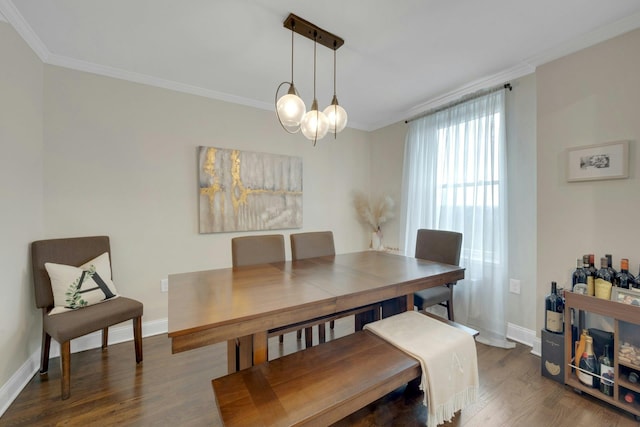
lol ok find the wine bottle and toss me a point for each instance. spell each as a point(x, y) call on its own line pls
point(588, 364)
point(624, 279)
point(591, 275)
point(612, 271)
point(580, 346)
point(554, 311)
point(603, 281)
point(606, 372)
point(579, 275)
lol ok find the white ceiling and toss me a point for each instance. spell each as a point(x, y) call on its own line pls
point(399, 59)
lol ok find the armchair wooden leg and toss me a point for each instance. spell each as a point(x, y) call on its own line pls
point(65, 369)
point(105, 338)
point(137, 337)
point(44, 357)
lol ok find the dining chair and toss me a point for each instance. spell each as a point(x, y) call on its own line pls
point(310, 245)
point(440, 246)
point(65, 318)
point(252, 250)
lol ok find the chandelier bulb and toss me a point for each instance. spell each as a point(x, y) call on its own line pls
point(314, 124)
point(336, 116)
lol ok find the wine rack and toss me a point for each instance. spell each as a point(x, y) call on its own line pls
point(626, 392)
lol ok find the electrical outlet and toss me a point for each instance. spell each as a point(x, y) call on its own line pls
point(164, 285)
point(514, 286)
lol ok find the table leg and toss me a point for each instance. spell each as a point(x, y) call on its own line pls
point(232, 356)
point(410, 302)
point(260, 348)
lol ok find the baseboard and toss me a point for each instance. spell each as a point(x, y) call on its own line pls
point(524, 336)
point(117, 334)
point(12, 388)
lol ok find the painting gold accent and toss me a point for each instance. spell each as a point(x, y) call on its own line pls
point(263, 191)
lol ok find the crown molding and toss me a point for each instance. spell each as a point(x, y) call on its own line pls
point(500, 78)
point(527, 66)
point(599, 35)
point(16, 20)
point(9, 13)
point(117, 73)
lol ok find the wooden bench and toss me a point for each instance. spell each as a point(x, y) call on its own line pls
point(317, 386)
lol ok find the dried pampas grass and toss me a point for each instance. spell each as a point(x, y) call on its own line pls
point(376, 214)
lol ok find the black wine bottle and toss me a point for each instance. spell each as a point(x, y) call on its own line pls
point(606, 372)
point(579, 275)
point(612, 270)
point(554, 311)
point(624, 279)
point(603, 281)
point(591, 275)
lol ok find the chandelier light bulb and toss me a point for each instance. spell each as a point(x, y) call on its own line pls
point(314, 124)
point(336, 116)
point(291, 110)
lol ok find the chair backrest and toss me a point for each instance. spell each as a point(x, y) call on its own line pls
point(313, 244)
point(250, 250)
point(439, 245)
point(73, 251)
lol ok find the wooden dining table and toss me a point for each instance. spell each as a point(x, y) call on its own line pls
point(208, 307)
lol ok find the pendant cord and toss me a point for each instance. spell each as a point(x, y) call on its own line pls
point(334, 72)
point(315, 44)
point(292, 28)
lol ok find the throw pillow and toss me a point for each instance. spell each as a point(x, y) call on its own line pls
point(77, 287)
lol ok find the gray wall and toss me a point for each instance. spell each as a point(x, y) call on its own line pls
point(21, 195)
point(587, 98)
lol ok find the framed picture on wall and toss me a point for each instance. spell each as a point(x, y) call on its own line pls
point(609, 160)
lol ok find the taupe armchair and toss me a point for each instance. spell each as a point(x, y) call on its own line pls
point(440, 246)
point(63, 327)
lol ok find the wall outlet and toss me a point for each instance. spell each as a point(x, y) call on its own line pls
point(164, 285)
point(514, 286)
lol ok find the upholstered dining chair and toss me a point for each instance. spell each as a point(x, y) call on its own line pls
point(310, 245)
point(440, 246)
point(252, 250)
point(68, 324)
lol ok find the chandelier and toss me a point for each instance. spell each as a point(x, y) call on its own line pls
point(290, 108)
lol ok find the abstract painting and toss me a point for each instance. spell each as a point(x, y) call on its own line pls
point(248, 191)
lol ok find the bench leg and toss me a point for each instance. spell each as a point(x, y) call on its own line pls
point(321, 334)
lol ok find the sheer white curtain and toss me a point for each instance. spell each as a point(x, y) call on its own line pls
point(455, 179)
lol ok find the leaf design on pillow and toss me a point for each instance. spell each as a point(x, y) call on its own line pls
point(73, 296)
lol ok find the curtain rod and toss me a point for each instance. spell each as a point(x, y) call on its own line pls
point(459, 101)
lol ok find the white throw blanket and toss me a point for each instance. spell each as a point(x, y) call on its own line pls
point(447, 356)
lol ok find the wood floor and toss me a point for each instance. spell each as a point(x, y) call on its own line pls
point(107, 388)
